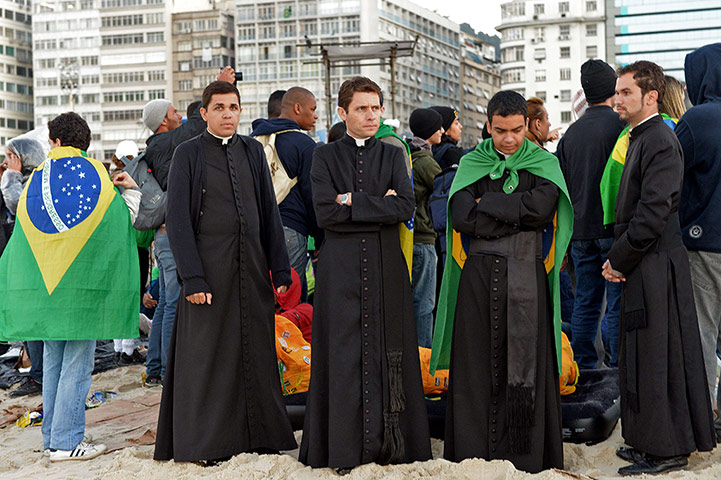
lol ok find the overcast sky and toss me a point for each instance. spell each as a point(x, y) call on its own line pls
point(483, 15)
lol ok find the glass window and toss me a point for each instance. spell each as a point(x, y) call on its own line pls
point(539, 9)
point(564, 32)
point(591, 51)
point(565, 117)
point(565, 95)
point(565, 52)
point(563, 7)
point(591, 30)
point(591, 6)
point(565, 74)
point(540, 75)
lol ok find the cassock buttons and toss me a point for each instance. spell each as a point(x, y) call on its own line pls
point(201, 213)
point(493, 449)
point(495, 270)
point(367, 431)
point(365, 289)
point(365, 316)
point(495, 280)
point(360, 180)
point(495, 299)
point(496, 261)
point(360, 154)
point(493, 430)
point(364, 249)
point(360, 171)
point(360, 162)
point(495, 308)
point(365, 279)
point(494, 289)
point(495, 317)
point(365, 373)
point(367, 412)
point(363, 240)
point(203, 190)
point(495, 327)
point(365, 325)
point(360, 190)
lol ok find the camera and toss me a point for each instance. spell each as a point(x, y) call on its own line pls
point(238, 76)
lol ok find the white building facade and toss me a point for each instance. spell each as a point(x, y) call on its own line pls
point(544, 44)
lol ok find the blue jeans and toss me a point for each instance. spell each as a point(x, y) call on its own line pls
point(35, 352)
point(164, 318)
point(424, 290)
point(297, 246)
point(68, 368)
point(588, 258)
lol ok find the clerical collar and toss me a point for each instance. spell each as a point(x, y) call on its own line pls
point(360, 142)
point(225, 140)
point(643, 121)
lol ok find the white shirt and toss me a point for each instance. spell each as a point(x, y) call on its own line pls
point(644, 120)
point(360, 142)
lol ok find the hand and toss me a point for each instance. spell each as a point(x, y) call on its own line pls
point(553, 135)
point(124, 180)
point(227, 75)
point(12, 162)
point(199, 298)
point(391, 192)
point(478, 199)
point(349, 202)
point(3, 167)
point(610, 274)
point(564, 263)
point(149, 301)
point(282, 289)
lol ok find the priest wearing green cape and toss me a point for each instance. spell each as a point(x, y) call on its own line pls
point(498, 321)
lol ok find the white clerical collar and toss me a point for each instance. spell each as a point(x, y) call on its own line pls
point(643, 121)
point(224, 139)
point(360, 142)
point(503, 155)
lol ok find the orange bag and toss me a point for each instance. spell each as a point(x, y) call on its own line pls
point(293, 353)
point(569, 368)
point(432, 384)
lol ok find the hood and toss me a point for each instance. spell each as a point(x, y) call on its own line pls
point(703, 74)
point(263, 126)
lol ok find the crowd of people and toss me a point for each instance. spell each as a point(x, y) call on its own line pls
point(483, 255)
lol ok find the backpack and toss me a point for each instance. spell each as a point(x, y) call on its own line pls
point(151, 213)
point(282, 183)
point(438, 204)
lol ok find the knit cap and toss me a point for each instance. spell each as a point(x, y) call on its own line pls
point(448, 114)
point(154, 112)
point(598, 81)
point(424, 122)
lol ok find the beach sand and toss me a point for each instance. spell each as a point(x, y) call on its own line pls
point(21, 452)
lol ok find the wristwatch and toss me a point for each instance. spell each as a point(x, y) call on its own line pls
point(344, 199)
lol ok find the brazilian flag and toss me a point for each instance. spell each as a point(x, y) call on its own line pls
point(70, 270)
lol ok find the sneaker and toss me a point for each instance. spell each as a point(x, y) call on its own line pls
point(136, 358)
point(153, 382)
point(84, 451)
point(28, 387)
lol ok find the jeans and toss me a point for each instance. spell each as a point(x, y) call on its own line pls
point(588, 258)
point(35, 352)
point(706, 279)
point(424, 290)
point(297, 246)
point(164, 317)
point(68, 368)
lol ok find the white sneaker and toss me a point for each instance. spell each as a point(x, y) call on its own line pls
point(84, 451)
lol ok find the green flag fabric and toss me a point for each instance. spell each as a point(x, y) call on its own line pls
point(70, 270)
point(481, 162)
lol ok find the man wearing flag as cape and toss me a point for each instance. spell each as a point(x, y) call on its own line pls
point(509, 224)
point(70, 276)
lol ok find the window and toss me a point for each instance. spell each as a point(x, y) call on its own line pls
point(564, 32)
point(565, 52)
point(267, 31)
point(310, 28)
point(246, 33)
point(155, 37)
point(591, 30)
point(184, 66)
point(563, 7)
point(513, 9)
point(154, 94)
point(185, 85)
point(591, 51)
point(186, 46)
point(591, 6)
point(565, 74)
point(539, 54)
point(512, 54)
point(288, 30)
point(329, 27)
point(540, 34)
point(155, 76)
point(565, 95)
point(540, 75)
point(539, 9)
point(87, 61)
point(513, 75)
point(565, 117)
point(541, 95)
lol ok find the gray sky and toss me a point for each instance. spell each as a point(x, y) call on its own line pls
point(483, 15)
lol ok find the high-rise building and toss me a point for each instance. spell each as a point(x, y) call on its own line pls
point(544, 44)
point(662, 31)
point(271, 52)
point(16, 70)
point(103, 60)
point(480, 80)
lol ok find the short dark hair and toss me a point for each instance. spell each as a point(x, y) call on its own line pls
point(192, 108)
point(506, 103)
point(215, 88)
point(336, 132)
point(274, 102)
point(357, 84)
point(71, 130)
point(648, 76)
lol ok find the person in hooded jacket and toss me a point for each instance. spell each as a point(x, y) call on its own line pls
point(448, 153)
point(698, 133)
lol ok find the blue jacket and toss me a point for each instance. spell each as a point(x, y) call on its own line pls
point(295, 151)
point(699, 133)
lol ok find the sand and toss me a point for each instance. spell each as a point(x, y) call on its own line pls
point(21, 456)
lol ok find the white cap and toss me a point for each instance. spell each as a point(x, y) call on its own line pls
point(393, 122)
point(126, 148)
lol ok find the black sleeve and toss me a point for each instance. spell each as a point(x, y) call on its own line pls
point(662, 170)
point(531, 209)
point(181, 234)
point(171, 140)
point(328, 213)
point(306, 192)
point(468, 219)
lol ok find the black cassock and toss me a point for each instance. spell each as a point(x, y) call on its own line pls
point(221, 392)
point(477, 413)
point(665, 407)
point(344, 421)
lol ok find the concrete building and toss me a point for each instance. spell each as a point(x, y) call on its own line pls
point(269, 34)
point(480, 80)
point(544, 44)
point(662, 31)
point(16, 70)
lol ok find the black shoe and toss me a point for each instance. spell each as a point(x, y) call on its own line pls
point(153, 382)
point(214, 462)
point(654, 465)
point(630, 454)
point(343, 471)
point(136, 358)
point(28, 387)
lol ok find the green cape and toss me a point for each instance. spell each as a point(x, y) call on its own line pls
point(473, 166)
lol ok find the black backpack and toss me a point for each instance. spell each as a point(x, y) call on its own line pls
point(438, 203)
point(151, 214)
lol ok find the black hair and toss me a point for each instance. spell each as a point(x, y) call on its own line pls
point(648, 76)
point(71, 129)
point(218, 87)
point(192, 108)
point(336, 132)
point(506, 103)
point(274, 103)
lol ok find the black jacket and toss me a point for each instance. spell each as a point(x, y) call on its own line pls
point(448, 153)
point(188, 161)
point(160, 146)
point(583, 153)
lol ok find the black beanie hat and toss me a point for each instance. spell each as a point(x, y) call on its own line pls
point(598, 81)
point(448, 115)
point(424, 122)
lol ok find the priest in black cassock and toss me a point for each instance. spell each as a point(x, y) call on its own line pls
point(222, 394)
point(665, 407)
point(365, 402)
